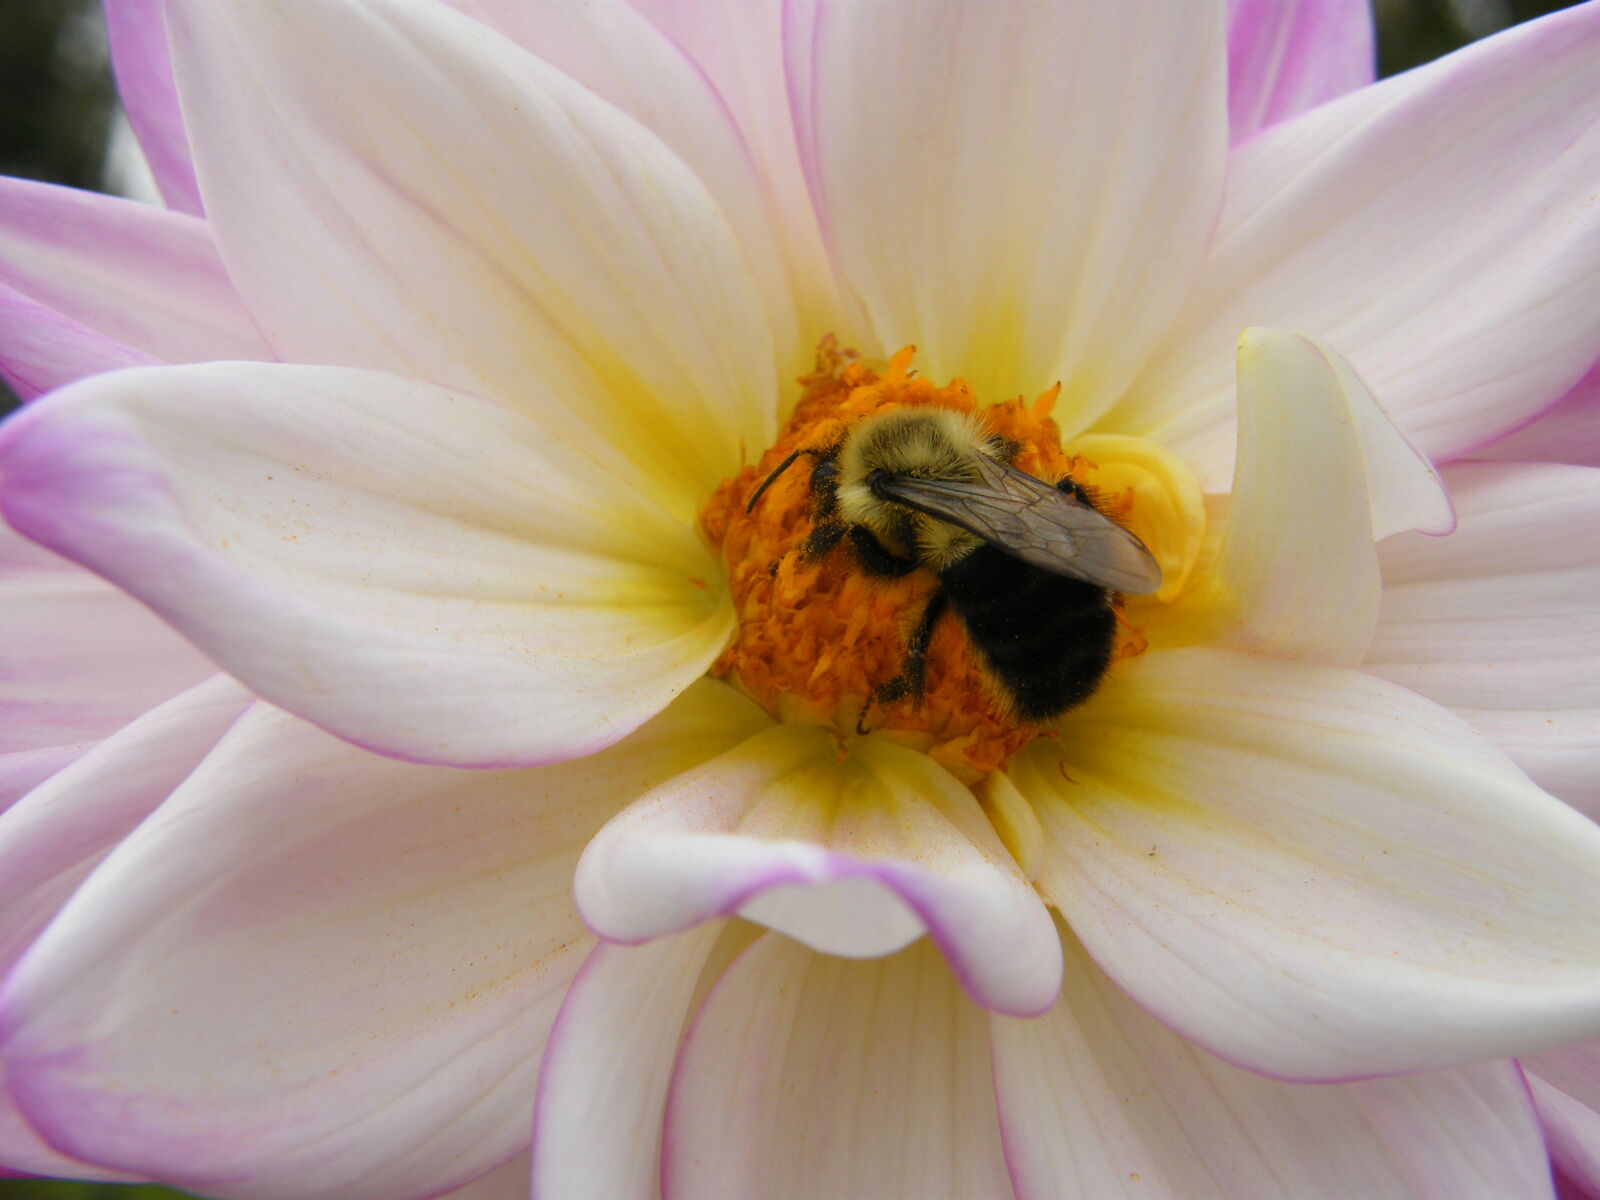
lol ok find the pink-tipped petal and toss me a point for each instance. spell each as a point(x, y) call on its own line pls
point(78, 658)
point(41, 350)
point(1023, 191)
point(1499, 621)
point(421, 571)
point(514, 235)
point(856, 858)
point(321, 974)
point(1285, 56)
point(131, 272)
point(1315, 873)
point(1439, 228)
point(53, 838)
point(1566, 432)
point(806, 1075)
point(603, 1083)
point(1097, 1100)
point(137, 31)
point(1320, 473)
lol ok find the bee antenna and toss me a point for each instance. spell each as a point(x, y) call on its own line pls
point(750, 504)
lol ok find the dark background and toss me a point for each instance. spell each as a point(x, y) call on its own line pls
point(58, 112)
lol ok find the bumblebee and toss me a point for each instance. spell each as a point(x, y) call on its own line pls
point(1028, 567)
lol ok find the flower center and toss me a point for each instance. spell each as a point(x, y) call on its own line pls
point(834, 625)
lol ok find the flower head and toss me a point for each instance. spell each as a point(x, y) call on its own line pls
point(525, 292)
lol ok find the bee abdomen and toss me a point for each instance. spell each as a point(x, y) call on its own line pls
point(1046, 639)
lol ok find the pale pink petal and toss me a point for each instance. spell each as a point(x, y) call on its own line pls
point(603, 1083)
point(508, 1181)
point(1500, 621)
point(1097, 1100)
point(318, 973)
point(78, 658)
point(1320, 473)
point(514, 235)
point(1023, 191)
point(1285, 56)
point(1566, 1091)
point(132, 272)
point(610, 47)
point(137, 32)
point(1439, 228)
point(1314, 873)
point(739, 45)
point(52, 839)
point(805, 1075)
point(40, 349)
point(857, 858)
point(1566, 432)
point(421, 571)
point(23, 770)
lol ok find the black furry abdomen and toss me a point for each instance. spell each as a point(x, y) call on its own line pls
point(1045, 638)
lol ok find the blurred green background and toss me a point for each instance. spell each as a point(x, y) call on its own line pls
point(59, 122)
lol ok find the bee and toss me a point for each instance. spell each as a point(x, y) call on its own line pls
point(1028, 567)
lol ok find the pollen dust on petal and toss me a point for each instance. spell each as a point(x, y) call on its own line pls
point(816, 638)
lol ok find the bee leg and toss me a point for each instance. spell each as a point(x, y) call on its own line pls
point(821, 540)
point(910, 681)
point(875, 558)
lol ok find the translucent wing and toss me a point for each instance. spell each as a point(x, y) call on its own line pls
point(1033, 520)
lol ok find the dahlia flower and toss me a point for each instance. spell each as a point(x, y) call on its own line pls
point(498, 798)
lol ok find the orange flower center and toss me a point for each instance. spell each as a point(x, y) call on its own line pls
point(819, 637)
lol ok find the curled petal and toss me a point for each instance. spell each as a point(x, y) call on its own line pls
point(1466, 308)
point(1314, 873)
point(858, 858)
point(1320, 473)
point(514, 236)
point(421, 571)
point(805, 1075)
point(1011, 251)
point(1498, 621)
point(1097, 1099)
point(1566, 1089)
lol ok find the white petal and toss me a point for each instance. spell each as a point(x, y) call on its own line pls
point(1098, 1100)
point(807, 1076)
point(82, 659)
point(514, 230)
point(1567, 432)
point(603, 1085)
point(1314, 873)
point(1320, 472)
point(611, 48)
point(317, 973)
point(1438, 227)
point(1285, 56)
point(1023, 191)
point(1499, 620)
point(856, 857)
point(133, 272)
point(421, 571)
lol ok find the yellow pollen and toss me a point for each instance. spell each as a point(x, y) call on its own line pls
point(816, 639)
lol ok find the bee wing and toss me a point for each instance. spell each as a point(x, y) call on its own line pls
point(1035, 521)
